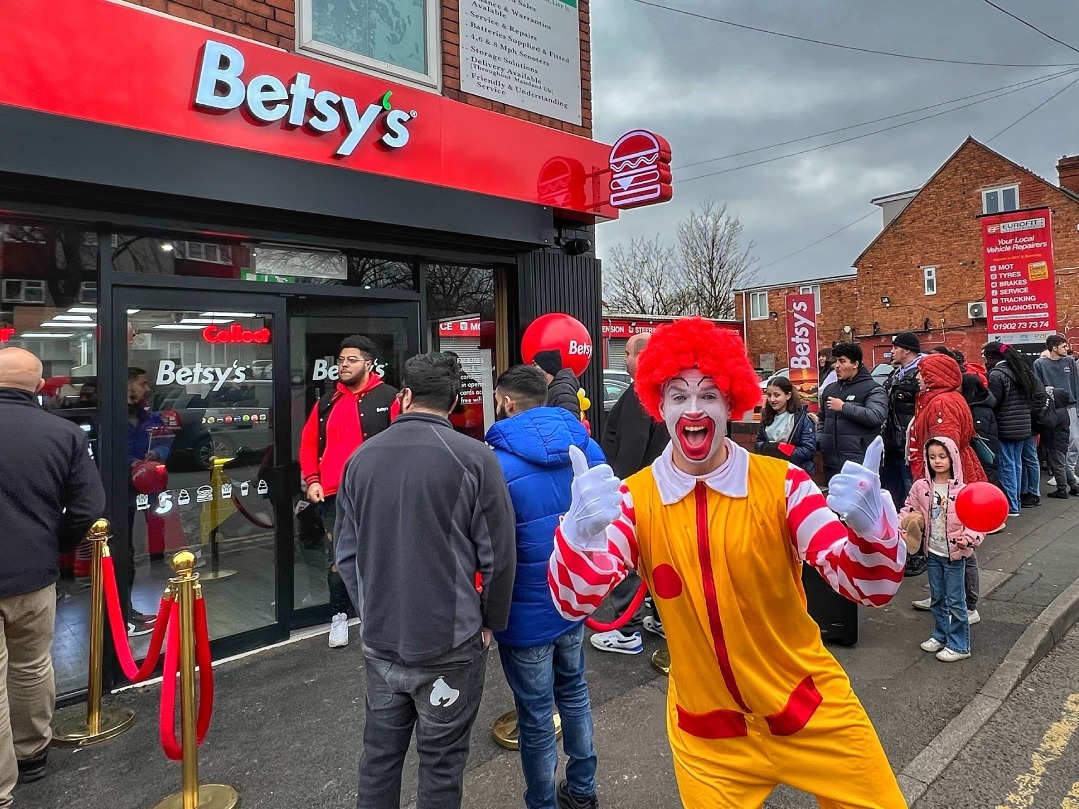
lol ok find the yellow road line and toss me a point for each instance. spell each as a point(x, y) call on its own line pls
point(1071, 800)
point(1052, 746)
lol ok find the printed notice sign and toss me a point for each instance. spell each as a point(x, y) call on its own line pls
point(1019, 284)
point(524, 53)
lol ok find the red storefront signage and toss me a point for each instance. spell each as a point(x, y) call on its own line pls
point(614, 329)
point(469, 327)
point(640, 164)
point(158, 74)
point(235, 334)
point(802, 343)
point(6, 333)
point(1020, 290)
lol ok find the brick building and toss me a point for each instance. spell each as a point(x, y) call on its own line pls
point(208, 195)
point(924, 272)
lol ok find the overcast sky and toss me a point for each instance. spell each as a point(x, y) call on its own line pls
point(712, 90)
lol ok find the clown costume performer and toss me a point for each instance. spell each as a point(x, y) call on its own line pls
point(719, 535)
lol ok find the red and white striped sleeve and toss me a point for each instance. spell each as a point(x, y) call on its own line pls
point(580, 580)
point(867, 571)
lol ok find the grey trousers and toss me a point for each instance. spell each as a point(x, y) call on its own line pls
point(439, 701)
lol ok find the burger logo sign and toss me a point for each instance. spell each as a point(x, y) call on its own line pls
point(640, 170)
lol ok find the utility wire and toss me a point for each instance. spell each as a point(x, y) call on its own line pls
point(839, 45)
point(1054, 95)
point(1030, 25)
point(818, 241)
point(866, 123)
point(872, 132)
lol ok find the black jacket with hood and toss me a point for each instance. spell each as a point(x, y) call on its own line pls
point(1012, 404)
point(562, 392)
point(846, 434)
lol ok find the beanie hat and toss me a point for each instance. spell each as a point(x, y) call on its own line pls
point(908, 340)
point(550, 360)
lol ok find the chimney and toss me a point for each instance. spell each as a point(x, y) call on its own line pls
point(1068, 173)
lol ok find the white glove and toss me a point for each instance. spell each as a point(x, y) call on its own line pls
point(855, 495)
point(596, 503)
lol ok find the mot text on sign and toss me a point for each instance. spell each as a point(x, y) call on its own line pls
point(1020, 290)
point(802, 344)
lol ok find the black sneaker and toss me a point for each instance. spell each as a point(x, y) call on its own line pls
point(33, 768)
point(568, 801)
point(1074, 491)
point(1030, 500)
point(916, 566)
point(1058, 495)
point(143, 618)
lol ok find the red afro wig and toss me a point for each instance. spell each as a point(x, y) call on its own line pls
point(696, 343)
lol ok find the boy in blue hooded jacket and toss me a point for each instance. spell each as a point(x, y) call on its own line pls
point(542, 653)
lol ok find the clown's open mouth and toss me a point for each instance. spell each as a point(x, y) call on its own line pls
point(696, 436)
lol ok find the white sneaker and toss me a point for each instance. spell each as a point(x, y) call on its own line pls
point(617, 642)
point(947, 655)
point(654, 625)
point(998, 530)
point(921, 604)
point(973, 617)
point(931, 645)
point(1051, 483)
point(339, 631)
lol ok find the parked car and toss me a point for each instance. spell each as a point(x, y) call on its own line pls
point(882, 372)
point(615, 384)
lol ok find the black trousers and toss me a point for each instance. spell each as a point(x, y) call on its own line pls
point(439, 701)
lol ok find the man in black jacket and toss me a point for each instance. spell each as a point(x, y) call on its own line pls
point(50, 494)
point(426, 545)
point(562, 385)
point(855, 408)
point(631, 441)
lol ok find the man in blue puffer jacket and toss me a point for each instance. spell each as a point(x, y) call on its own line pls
point(542, 653)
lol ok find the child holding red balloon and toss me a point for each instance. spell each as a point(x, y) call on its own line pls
point(931, 523)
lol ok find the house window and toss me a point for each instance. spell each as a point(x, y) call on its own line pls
point(929, 276)
point(815, 289)
point(397, 37)
point(758, 305)
point(999, 200)
point(203, 251)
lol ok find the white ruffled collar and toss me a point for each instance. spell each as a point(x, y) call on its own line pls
point(730, 479)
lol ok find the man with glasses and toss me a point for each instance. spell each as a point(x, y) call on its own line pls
point(359, 407)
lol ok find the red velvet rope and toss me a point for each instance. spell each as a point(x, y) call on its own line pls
point(118, 627)
point(623, 619)
point(251, 518)
point(206, 670)
point(167, 713)
point(171, 746)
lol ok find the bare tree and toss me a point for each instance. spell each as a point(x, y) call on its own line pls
point(645, 279)
point(696, 276)
point(714, 262)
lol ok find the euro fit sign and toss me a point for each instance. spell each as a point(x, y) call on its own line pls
point(1020, 288)
point(235, 334)
point(640, 166)
point(802, 342)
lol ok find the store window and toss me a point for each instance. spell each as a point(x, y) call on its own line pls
point(1000, 200)
point(48, 285)
point(268, 263)
point(929, 279)
point(399, 37)
point(461, 319)
point(758, 305)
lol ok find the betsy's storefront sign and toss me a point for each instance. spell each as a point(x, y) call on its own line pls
point(165, 76)
point(802, 344)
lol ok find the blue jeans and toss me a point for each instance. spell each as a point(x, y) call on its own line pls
point(948, 602)
point(1011, 471)
point(1032, 470)
point(541, 677)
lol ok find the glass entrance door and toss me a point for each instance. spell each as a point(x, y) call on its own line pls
point(197, 426)
point(316, 330)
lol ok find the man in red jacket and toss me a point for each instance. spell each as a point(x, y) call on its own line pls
point(361, 406)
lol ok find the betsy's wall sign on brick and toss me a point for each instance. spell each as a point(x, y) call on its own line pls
point(802, 344)
point(525, 53)
point(1019, 283)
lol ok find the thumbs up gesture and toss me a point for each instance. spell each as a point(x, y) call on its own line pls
point(596, 503)
point(855, 495)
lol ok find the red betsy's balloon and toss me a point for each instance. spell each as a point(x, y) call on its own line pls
point(560, 331)
point(981, 507)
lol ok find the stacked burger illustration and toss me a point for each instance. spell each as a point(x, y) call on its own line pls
point(640, 170)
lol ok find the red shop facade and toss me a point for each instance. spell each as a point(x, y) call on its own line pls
point(217, 214)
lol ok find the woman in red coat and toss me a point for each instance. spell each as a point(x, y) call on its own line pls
point(941, 410)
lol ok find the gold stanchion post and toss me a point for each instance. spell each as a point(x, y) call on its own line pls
point(505, 732)
point(191, 795)
point(101, 723)
point(661, 661)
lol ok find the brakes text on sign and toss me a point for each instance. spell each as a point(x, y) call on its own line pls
point(220, 86)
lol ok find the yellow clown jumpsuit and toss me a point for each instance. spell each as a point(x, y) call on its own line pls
point(754, 698)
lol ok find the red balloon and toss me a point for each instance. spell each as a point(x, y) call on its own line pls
point(560, 331)
point(981, 507)
point(149, 477)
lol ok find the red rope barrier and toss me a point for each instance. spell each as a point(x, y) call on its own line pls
point(621, 620)
point(206, 670)
point(118, 627)
point(251, 518)
point(167, 712)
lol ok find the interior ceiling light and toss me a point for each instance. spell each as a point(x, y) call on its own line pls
point(40, 334)
point(228, 314)
point(206, 321)
point(74, 318)
point(52, 325)
point(178, 327)
point(83, 310)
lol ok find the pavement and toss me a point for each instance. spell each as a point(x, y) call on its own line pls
point(288, 719)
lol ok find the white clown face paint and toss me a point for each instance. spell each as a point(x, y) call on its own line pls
point(696, 414)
